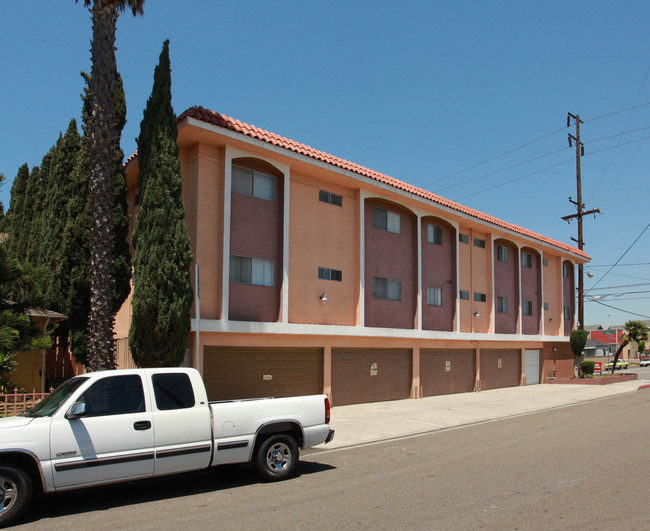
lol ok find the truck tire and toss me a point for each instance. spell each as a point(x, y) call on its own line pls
point(277, 458)
point(15, 493)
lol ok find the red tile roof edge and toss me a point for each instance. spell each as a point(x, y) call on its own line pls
point(225, 122)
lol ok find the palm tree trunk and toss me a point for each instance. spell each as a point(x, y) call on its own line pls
point(618, 353)
point(103, 142)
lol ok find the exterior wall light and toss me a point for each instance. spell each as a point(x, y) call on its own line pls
point(323, 298)
point(477, 314)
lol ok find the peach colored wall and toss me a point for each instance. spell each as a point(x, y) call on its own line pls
point(392, 256)
point(465, 281)
point(203, 183)
point(439, 270)
point(322, 235)
point(552, 295)
point(480, 264)
point(506, 284)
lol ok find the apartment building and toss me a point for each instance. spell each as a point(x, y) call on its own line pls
point(320, 275)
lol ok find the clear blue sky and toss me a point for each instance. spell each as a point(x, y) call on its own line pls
point(419, 90)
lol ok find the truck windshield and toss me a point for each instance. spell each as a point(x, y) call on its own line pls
point(53, 401)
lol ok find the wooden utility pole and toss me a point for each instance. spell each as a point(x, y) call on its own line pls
point(580, 151)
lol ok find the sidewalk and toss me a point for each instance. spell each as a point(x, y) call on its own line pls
point(364, 423)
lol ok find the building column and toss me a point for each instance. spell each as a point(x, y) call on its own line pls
point(416, 387)
point(327, 371)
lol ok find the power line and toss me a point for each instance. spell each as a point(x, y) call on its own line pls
point(617, 112)
point(618, 135)
point(621, 258)
point(621, 309)
point(618, 265)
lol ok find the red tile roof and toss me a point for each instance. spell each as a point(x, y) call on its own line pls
point(220, 120)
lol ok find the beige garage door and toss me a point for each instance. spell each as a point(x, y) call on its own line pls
point(231, 373)
point(500, 368)
point(360, 376)
point(447, 372)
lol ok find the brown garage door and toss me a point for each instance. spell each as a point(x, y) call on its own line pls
point(500, 368)
point(447, 372)
point(231, 373)
point(360, 376)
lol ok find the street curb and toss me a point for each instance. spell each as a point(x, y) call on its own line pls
point(644, 386)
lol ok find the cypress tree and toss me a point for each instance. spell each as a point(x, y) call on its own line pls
point(55, 213)
point(29, 213)
point(162, 293)
point(36, 230)
point(15, 213)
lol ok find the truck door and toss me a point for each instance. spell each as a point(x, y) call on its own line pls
point(110, 436)
point(183, 435)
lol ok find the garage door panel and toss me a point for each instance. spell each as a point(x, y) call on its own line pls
point(360, 376)
point(495, 375)
point(233, 373)
point(437, 380)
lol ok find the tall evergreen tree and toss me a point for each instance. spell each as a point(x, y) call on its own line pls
point(103, 141)
point(15, 213)
point(162, 293)
point(55, 214)
point(31, 192)
point(36, 235)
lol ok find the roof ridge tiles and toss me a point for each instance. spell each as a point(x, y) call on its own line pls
point(226, 122)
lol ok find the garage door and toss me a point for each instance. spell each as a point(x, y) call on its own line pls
point(532, 367)
point(360, 376)
point(231, 373)
point(500, 368)
point(447, 372)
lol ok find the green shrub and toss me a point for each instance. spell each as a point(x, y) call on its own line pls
point(588, 367)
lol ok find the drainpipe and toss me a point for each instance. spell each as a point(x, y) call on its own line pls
point(43, 356)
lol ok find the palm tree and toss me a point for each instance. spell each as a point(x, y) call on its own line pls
point(103, 141)
point(635, 331)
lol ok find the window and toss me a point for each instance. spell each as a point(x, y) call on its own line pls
point(115, 395)
point(245, 270)
point(545, 262)
point(546, 306)
point(385, 220)
point(253, 183)
point(566, 271)
point(326, 273)
point(463, 238)
point(173, 391)
point(567, 312)
point(480, 297)
point(502, 304)
point(479, 243)
point(464, 295)
point(386, 288)
point(434, 234)
point(434, 296)
point(328, 197)
point(502, 253)
point(527, 260)
point(528, 308)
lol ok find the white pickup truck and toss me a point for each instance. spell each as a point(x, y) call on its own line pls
point(121, 425)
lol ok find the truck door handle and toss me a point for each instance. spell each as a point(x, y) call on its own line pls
point(142, 425)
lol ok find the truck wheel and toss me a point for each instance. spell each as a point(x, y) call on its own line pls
point(15, 493)
point(277, 458)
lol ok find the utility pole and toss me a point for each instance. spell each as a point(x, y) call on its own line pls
point(580, 151)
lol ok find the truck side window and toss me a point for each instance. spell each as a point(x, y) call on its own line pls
point(173, 391)
point(116, 395)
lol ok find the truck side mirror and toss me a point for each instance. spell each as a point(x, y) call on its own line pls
point(77, 410)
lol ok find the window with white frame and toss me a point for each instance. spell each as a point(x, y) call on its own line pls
point(387, 288)
point(527, 260)
point(528, 308)
point(502, 253)
point(386, 220)
point(434, 296)
point(247, 270)
point(502, 304)
point(567, 312)
point(434, 234)
point(253, 183)
point(566, 271)
point(325, 273)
